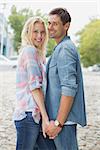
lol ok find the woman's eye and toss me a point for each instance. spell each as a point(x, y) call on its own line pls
point(35, 31)
point(43, 32)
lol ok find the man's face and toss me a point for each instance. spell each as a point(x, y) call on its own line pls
point(56, 28)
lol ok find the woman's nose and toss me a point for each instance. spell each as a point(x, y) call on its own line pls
point(39, 34)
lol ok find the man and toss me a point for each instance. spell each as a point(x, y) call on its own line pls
point(64, 94)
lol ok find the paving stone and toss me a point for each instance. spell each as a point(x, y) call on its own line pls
point(88, 137)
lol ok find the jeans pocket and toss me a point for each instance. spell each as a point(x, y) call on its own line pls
point(19, 123)
point(30, 118)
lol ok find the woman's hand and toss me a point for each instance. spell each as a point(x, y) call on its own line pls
point(52, 130)
point(45, 123)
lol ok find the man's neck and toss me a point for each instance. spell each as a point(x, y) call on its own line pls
point(58, 40)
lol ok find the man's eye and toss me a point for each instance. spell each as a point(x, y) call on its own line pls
point(49, 23)
point(55, 23)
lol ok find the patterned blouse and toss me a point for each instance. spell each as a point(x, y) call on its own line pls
point(30, 75)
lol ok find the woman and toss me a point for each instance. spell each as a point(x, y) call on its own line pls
point(30, 83)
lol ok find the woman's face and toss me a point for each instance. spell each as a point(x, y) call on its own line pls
point(39, 35)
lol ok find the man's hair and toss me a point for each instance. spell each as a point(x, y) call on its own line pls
point(62, 13)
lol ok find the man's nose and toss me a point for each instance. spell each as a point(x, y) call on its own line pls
point(50, 26)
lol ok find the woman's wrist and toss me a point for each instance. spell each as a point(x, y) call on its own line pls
point(45, 118)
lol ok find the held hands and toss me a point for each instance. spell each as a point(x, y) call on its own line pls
point(45, 124)
point(50, 129)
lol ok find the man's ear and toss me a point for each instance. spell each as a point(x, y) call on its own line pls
point(66, 26)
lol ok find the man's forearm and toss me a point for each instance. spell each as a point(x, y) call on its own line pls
point(64, 108)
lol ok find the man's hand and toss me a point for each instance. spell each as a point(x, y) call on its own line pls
point(52, 131)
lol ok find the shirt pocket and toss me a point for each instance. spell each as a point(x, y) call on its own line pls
point(53, 63)
point(53, 69)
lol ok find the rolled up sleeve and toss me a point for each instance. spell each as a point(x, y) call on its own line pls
point(33, 71)
point(66, 65)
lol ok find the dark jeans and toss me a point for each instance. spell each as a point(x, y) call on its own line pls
point(66, 140)
point(27, 133)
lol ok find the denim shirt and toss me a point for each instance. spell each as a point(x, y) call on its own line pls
point(64, 77)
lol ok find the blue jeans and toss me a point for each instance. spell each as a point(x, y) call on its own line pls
point(66, 140)
point(27, 133)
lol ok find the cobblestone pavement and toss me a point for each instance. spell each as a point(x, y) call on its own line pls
point(88, 137)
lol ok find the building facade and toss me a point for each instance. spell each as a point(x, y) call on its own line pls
point(6, 47)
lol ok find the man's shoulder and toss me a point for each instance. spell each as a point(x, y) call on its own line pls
point(69, 46)
point(67, 49)
point(68, 43)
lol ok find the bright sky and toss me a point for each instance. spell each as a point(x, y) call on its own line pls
point(81, 11)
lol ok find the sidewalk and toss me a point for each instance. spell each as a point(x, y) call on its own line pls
point(88, 137)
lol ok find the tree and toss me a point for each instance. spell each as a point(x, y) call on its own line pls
point(50, 46)
point(17, 20)
point(89, 43)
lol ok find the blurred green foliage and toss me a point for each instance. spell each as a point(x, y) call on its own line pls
point(89, 43)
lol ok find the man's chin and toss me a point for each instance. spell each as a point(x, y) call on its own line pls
point(51, 36)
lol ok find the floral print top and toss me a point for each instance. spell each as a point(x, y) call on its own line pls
point(30, 75)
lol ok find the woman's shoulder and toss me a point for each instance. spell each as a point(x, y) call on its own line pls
point(29, 49)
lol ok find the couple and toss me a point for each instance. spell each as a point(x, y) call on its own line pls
point(61, 83)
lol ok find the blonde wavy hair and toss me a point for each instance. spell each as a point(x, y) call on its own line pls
point(26, 35)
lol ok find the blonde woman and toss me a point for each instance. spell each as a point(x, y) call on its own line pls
point(30, 81)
